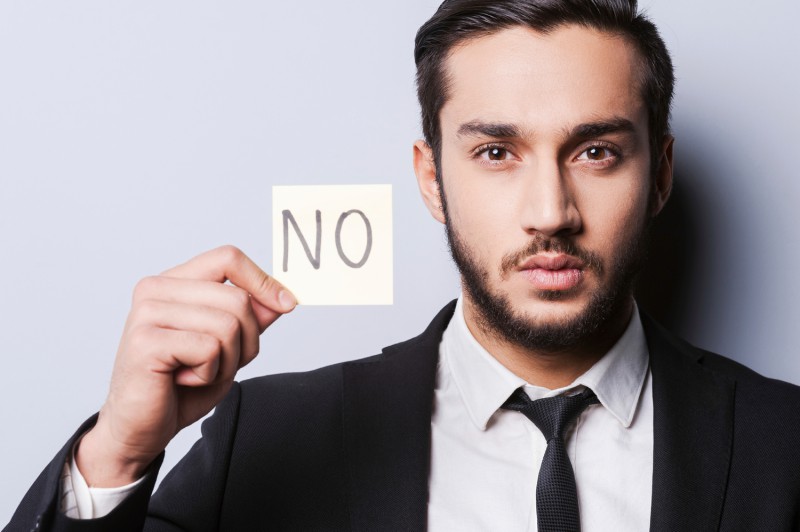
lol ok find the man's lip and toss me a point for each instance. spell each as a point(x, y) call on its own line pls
point(552, 262)
point(559, 272)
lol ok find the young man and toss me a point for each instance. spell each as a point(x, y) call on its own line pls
point(546, 155)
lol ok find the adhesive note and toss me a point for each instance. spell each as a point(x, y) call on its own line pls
point(332, 244)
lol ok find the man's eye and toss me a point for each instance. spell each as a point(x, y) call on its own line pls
point(494, 153)
point(497, 154)
point(597, 153)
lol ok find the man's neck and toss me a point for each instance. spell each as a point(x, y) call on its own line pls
point(549, 369)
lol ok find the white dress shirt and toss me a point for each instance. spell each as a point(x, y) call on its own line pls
point(485, 460)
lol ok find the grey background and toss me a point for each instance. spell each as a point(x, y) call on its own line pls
point(134, 135)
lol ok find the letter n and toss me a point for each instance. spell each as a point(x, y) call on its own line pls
point(288, 218)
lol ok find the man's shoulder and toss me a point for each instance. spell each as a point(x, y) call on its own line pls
point(745, 380)
point(753, 388)
point(418, 353)
point(760, 401)
point(320, 379)
point(324, 381)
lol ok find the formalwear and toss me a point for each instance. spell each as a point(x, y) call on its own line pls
point(486, 460)
point(347, 447)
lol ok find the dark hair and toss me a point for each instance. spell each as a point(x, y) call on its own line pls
point(458, 20)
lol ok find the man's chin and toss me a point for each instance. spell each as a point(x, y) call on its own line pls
point(559, 315)
point(547, 305)
point(570, 296)
point(566, 321)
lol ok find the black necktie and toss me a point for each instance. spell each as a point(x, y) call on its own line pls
point(556, 495)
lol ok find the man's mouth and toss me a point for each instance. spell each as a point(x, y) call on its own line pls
point(558, 272)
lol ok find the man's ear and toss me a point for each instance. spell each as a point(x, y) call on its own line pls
point(663, 179)
point(425, 168)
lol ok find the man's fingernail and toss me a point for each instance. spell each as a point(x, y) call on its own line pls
point(287, 300)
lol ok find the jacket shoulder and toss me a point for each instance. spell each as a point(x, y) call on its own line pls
point(750, 385)
point(762, 389)
point(327, 381)
point(763, 405)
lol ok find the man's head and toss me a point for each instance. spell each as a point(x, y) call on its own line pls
point(547, 154)
point(458, 21)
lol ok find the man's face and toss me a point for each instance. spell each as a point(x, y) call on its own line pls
point(545, 166)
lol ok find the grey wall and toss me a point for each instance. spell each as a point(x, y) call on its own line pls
point(135, 135)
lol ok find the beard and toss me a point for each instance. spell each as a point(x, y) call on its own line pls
point(495, 313)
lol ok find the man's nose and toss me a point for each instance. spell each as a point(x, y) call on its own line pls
point(548, 201)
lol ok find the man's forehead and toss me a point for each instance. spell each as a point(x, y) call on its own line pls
point(569, 75)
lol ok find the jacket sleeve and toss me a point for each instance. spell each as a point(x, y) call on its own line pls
point(189, 497)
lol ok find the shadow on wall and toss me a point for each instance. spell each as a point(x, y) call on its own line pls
point(670, 287)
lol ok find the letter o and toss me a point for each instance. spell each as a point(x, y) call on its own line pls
point(367, 251)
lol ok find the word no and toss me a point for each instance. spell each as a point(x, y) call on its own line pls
point(315, 258)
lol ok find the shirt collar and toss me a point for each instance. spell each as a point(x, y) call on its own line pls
point(484, 384)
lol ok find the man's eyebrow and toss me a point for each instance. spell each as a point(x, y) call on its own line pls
point(476, 128)
point(602, 127)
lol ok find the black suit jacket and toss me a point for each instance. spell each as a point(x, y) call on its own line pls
point(347, 447)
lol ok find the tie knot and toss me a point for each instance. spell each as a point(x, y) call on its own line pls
point(552, 414)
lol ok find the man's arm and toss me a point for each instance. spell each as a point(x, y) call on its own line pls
point(187, 334)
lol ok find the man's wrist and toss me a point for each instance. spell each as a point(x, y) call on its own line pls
point(102, 467)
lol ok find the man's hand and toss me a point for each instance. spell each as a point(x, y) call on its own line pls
point(187, 335)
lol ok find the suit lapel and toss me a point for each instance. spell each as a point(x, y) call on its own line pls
point(693, 435)
point(387, 406)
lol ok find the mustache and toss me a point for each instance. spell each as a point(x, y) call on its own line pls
point(541, 244)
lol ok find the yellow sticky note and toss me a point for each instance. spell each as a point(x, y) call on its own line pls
point(332, 244)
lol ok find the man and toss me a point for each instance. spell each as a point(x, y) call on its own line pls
point(547, 154)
